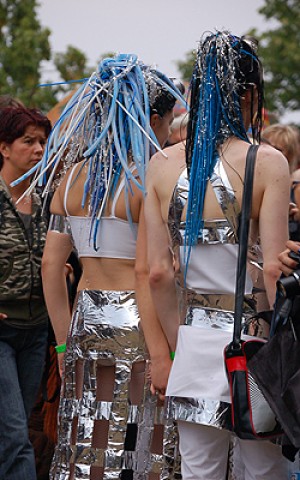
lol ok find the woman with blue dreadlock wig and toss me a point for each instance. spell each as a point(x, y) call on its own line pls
point(196, 194)
point(96, 156)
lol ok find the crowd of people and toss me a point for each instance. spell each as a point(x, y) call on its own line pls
point(120, 225)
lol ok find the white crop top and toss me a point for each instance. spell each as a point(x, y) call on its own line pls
point(212, 269)
point(116, 238)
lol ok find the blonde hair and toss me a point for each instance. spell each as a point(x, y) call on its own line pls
point(287, 137)
point(180, 122)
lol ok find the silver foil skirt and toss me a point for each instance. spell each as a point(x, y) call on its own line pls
point(215, 312)
point(195, 410)
point(109, 424)
point(213, 302)
point(211, 310)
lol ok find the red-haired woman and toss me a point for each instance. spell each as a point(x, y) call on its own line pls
point(23, 318)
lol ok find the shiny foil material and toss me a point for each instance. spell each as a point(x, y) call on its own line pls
point(216, 230)
point(205, 310)
point(105, 333)
point(167, 465)
point(60, 224)
point(195, 410)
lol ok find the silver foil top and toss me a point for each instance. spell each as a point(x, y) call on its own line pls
point(214, 231)
point(60, 224)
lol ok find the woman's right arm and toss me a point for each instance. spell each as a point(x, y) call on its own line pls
point(273, 171)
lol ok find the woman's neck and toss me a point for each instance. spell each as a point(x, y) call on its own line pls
point(9, 177)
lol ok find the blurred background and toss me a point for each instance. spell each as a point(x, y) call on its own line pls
point(53, 41)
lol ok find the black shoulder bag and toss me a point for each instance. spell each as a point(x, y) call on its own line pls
point(276, 367)
point(252, 417)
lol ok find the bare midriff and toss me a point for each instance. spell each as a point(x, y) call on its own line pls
point(107, 274)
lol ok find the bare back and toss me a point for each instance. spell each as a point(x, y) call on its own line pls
point(99, 273)
point(270, 195)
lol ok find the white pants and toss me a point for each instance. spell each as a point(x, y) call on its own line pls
point(204, 455)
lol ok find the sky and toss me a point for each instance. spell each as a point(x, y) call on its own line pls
point(160, 32)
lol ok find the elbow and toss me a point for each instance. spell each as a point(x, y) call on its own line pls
point(160, 275)
point(48, 266)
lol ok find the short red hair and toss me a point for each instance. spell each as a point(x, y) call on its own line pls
point(15, 120)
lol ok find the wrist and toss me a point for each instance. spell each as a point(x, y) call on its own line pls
point(160, 357)
point(61, 348)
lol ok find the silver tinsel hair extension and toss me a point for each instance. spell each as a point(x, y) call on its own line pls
point(225, 67)
point(106, 124)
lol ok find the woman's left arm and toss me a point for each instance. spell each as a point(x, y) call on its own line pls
point(56, 253)
point(57, 250)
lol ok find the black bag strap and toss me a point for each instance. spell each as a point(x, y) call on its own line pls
point(243, 245)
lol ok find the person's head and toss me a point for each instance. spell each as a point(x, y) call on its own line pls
point(113, 123)
point(145, 92)
point(24, 124)
point(178, 129)
point(226, 88)
point(162, 103)
point(226, 97)
point(159, 100)
point(285, 139)
point(150, 95)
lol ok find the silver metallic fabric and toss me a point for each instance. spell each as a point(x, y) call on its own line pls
point(206, 311)
point(214, 230)
point(213, 311)
point(105, 434)
point(196, 410)
point(60, 224)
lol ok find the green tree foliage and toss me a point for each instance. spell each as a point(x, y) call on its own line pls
point(71, 64)
point(186, 66)
point(24, 51)
point(279, 49)
point(24, 45)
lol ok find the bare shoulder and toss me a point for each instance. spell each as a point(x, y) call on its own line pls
point(163, 167)
point(271, 167)
point(271, 159)
point(57, 204)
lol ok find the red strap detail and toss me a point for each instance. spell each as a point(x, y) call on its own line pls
point(236, 363)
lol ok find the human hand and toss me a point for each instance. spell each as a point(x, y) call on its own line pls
point(3, 316)
point(294, 211)
point(61, 363)
point(288, 264)
point(159, 374)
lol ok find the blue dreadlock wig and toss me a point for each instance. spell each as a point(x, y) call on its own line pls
point(106, 124)
point(226, 66)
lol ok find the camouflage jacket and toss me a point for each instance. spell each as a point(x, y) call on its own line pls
point(21, 293)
